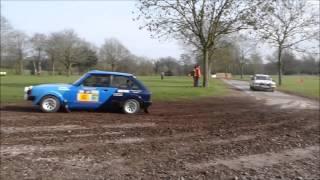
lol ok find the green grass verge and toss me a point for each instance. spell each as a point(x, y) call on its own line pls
point(169, 89)
point(303, 85)
point(12, 86)
point(175, 88)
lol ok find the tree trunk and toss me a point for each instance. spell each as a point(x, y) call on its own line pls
point(69, 69)
point(52, 64)
point(52, 69)
point(21, 67)
point(39, 62)
point(39, 67)
point(279, 66)
point(20, 71)
point(210, 68)
point(241, 64)
point(241, 71)
point(112, 67)
point(34, 67)
point(205, 82)
point(68, 64)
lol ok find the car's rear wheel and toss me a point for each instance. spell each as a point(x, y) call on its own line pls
point(131, 106)
point(50, 104)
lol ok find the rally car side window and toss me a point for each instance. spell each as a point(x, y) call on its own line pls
point(135, 86)
point(123, 82)
point(97, 81)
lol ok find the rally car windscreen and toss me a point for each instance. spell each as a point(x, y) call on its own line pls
point(79, 80)
point(262, 78)
point(142, 86)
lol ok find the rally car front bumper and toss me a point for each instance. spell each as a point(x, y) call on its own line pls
point(263, 87)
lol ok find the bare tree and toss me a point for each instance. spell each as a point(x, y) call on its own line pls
point(285, 24)
point(197, 22)
point(244, 46)
point(52, 49)
point(67, 49)
point(255, 62)
point(310, 65)
point(6, 31)
point(145, 66)
point(168, 65)
point(17, 49)
point(129, 64)
point(38, 42)
point(224, 58)
point(187, 62)
point(113, 51)
point(86, 57)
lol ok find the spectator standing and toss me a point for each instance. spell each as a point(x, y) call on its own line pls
point(196, 75)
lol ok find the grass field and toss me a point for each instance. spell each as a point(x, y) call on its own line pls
point(172, 88)
point(302, 85)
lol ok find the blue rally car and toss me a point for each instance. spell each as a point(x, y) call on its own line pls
point(95, 90)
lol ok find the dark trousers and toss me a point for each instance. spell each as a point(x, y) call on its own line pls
point(195, 81)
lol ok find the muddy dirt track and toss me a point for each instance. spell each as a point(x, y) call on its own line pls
point(234, 137)
point(277, 98)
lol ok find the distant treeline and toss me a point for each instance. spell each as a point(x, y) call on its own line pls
point(65, 53)
point(254, 64)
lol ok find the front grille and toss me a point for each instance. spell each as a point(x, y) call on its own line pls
point(263, 84)
point(31, 98)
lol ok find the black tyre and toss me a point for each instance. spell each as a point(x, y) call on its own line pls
point(131, 106)
point(50, 104)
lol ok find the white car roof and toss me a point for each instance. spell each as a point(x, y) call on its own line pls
point(261, 75)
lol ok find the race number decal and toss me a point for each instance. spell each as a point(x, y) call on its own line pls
point(88, 96)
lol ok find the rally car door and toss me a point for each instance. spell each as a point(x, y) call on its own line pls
point(92, 93)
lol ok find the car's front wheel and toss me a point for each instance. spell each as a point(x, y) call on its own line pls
point(131, 106)
point(50, 104)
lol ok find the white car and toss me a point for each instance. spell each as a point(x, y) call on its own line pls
point(262, 82)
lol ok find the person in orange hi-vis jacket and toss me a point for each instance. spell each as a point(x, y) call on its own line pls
point(196, 75)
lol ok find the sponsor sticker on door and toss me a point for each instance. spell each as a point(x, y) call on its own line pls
point(88, 96)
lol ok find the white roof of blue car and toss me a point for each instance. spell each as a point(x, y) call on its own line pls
point(109, 72)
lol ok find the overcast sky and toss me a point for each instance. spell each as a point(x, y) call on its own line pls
point(92, 20)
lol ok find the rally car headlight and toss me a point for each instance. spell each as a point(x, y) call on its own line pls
point(26, 89)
